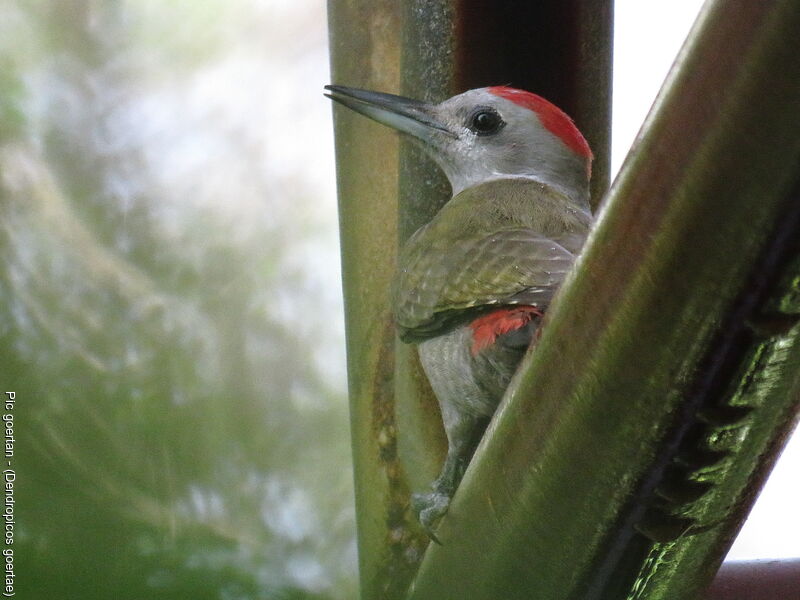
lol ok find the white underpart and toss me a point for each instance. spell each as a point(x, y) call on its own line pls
point(448, 365)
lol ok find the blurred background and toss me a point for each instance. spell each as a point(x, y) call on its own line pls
point(170, 312)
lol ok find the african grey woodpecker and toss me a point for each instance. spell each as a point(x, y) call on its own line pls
point(473, 284)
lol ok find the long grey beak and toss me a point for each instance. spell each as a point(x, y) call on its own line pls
point(404, 114)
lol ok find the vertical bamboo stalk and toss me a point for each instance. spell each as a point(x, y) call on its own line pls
point(365, 52)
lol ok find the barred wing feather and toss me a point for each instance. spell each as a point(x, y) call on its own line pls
point(512, 266)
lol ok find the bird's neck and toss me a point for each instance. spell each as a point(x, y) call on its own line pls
point(577, 192)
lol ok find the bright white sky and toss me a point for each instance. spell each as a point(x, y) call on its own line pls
point(648, 35)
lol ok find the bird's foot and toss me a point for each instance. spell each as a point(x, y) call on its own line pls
point(429, 508)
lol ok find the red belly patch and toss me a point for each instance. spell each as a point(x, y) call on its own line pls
point(485, 329)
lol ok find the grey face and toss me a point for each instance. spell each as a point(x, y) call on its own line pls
point(494, 137)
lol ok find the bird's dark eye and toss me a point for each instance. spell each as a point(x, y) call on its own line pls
point(485, 121)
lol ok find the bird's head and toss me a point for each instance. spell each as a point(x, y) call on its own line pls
point(487, 133)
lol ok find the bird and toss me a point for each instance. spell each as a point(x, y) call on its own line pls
point(472, 285)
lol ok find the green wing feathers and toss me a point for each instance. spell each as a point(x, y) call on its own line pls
point(500, 243)
point(515, 266)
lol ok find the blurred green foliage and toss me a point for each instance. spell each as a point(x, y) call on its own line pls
point(181, 427)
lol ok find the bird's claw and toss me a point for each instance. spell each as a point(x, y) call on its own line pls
point(429, 508)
